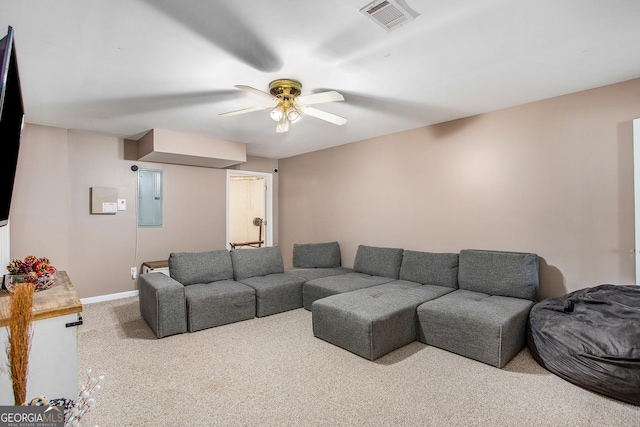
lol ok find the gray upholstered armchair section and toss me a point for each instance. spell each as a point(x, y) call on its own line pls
point(212, 297)
point(486, 318)
point(263, 270)
point(162, 304)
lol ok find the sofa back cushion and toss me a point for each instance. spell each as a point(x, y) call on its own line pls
point(190, 268)
point(510, 274)
point(256, 262)
point(440, 269)
point(376, 261)
point(316, 255)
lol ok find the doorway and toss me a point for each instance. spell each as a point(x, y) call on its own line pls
point(249, 209)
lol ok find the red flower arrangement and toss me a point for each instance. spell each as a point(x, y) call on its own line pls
point(38, 271)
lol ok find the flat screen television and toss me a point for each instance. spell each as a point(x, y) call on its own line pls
point(11, 123)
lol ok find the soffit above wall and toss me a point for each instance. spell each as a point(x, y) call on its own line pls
point(162, 146)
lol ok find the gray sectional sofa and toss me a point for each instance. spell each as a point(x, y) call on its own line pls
point(475, 303)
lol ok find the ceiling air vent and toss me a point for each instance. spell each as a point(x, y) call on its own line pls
point(387, 13)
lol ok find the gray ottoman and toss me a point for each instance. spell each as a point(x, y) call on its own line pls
point(372, 266)
point(490, 329)
point(326, 286)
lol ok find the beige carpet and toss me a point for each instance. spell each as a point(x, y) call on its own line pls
point(273, 372)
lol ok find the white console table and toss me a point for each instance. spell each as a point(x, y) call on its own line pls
point(53, 360)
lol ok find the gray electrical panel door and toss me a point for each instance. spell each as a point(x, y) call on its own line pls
point(149, 198)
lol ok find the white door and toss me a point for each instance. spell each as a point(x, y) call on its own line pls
point(249, 209)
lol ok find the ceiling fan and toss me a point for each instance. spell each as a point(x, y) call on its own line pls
point(287, 106)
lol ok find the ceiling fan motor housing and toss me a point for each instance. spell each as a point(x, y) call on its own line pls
point(285, 88)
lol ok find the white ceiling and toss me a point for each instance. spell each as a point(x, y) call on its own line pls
point(122, 67)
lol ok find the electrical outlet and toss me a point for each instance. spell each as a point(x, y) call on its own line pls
point(134, 272)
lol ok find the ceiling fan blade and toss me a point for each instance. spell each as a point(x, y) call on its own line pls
point(319, 98)
point(323, 115)
point(256, 91)
point(226, 28)
point(246, 110)
point(283, 125)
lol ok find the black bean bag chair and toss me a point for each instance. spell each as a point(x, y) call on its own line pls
point(591, 338)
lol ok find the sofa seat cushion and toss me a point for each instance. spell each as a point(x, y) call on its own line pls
point(374, 321)
point(326, 286)
point(491, 329)
point(200, 267)
point(316, 255)
point(218, 303)
point(316, 273)
point(276, 293)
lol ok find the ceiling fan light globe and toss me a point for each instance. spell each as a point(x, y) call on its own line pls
point(283, 125)
point(276, 114)
point(293, 115)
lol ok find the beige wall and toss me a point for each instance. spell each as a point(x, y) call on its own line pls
point(40, 206)
point(50, 213)
point(553, 177)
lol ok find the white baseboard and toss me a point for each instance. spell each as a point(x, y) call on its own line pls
point(102, 298)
